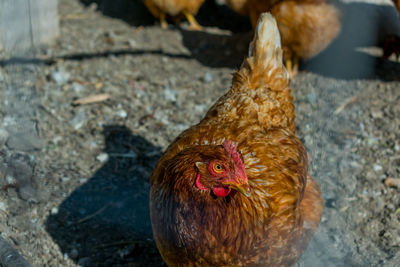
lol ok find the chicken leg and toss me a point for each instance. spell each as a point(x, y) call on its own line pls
point(193, 23)
point(292, 66)
point(163, 21)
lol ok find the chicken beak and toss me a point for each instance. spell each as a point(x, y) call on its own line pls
point(243, 188)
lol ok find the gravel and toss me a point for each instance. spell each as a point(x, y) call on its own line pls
point(75, 178)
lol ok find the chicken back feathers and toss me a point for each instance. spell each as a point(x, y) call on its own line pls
point(307, 26)
point(271, 227)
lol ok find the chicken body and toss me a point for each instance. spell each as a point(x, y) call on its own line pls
point(175, 8)
point(273, 226)
point(306, 26)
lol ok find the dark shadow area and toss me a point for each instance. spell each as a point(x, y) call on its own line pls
point(135, 13)
point(84, 56)
point(107, 219)
point(217, 50)
point(363, 25)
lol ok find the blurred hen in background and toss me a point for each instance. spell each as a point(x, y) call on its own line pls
point(392, 43)
point(306, 26)
point(234, 190)
point(176, 9)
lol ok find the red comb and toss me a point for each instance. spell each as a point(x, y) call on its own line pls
point(230, 147)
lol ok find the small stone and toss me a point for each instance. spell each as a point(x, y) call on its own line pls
point(122, 114)
point(311, 98)
point(65, 179)
point(3, 206)
point(25, 141)
point(132, 43)
point(3, 136)
point(60, 76)
point(102, 157)
point(170, 94)
point(377, 167)
point(78, 120)
point(10, 179)
point(29, 194)
point(57, 139)
point(208, 77)
point(54, 211)
point(376, 114)
point(77, 88)
point(83, 180)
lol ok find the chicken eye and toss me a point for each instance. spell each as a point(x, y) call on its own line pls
point(218, 168)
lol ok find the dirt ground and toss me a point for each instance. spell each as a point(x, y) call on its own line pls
point(75, 177)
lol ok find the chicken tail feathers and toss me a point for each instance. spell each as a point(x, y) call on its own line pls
point(264, 65)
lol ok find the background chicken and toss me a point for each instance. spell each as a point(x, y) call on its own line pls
point(306, 26)
point(234, 189)
point(392, 43)
point(175, 9)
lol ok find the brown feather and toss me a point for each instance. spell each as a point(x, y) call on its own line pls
point(273, 226)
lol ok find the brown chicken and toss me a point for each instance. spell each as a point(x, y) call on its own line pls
point(397, 4)
point(175, 9)
point(306, 26)
point(392, 44)
point(234, 190)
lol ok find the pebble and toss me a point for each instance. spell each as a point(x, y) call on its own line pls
point(77, 88)
point(57, 139)
point(170, 94)
point(3, 206)
point(122, 114)
point(377, 167)
point(65, 179)
point(83, 180)
point(25, 141)
point(132, 43)
point(208, 77)
point(311, 97)
point(10, 179)
point(102, 157)
point(60, 76)
point(3, 136)
point(78, 120)
point(29, 194)
point(54, 211)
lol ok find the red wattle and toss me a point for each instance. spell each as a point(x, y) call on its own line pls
point(198, 184)
point(221, 191)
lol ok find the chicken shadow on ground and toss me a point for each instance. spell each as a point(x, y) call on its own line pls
point(363, 25)
point(106, 221)
point(135, 13)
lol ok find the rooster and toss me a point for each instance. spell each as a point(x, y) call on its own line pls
point(175, 9)
point(234, 189)
point(307, 26)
